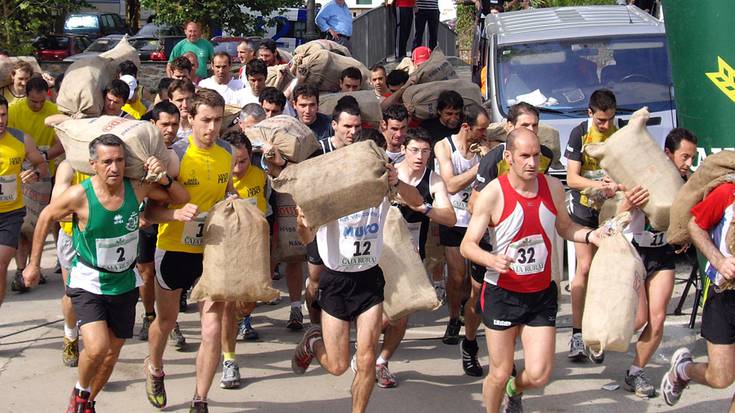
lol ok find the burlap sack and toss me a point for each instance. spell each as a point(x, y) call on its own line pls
point(547, 135)
point(236, 255)
point(407, 287)
point(229, 119)
point(284, 55)
point(714, 166)
point(615, 278)
point(338, 183)
point(142, 140)
point(294, 140)
point(121, 52)
point(80, 94)
point(610, 207)
point(321, 44)
point(406, 65)
point(35, 197)
point(7, 65)
point(366, 99)
point(434, 251)
point(323, 68)
point(279, 77)
point(288, 245)
point(631, 157)
point(435, 69)
point(421, 99)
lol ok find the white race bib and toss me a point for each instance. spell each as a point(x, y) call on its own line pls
point(8, 188)
point(648, 239)
point(117, 254)
point(529, 255)
point(194, 231)
point(415, 229)
point(461, 199)
point(357, 245)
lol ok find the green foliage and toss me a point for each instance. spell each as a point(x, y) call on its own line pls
point(22, 20)
point(465, 26)
point(218, 13)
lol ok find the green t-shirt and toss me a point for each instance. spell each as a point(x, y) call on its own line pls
point(202, 48)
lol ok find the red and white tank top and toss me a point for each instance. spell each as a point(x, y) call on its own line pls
point(524, 233)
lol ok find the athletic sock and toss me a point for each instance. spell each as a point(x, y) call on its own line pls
point(470, 344)
point(510, 387)
point(681, 370)
point(295, 304)
point(576, 330)
point(633, 370)
point(81, 389)
point(381, 360)
point(72, 333)
point(228, 356)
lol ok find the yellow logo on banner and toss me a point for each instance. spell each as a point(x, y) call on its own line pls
point(724, 78)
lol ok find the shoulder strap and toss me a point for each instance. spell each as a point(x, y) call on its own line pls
point(451, 143)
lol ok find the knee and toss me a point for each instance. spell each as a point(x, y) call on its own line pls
point(538, 376)
point(656, 324)
point(499, 375)
point(165, 321)
point(211, 331)
point(719, 378)
point(366, 362)
point(97, 352)
point(580, 277)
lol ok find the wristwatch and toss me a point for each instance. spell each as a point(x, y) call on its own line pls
point(428, 207)
point(168, 185)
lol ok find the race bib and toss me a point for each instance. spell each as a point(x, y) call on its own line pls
point(415, 229)
point(595, 175)
point(194, 231)
point(648, 239)
point(529, 255)
point(357, 245)
point(117, 254)
point(461, 199)
point(8, 188)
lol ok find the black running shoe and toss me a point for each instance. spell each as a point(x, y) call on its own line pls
point(451, 336)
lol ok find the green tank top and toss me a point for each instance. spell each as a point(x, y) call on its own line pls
point(108, 246)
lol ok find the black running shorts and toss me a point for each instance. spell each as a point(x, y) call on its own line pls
point(147, 244)
point(346, 295)
point(10, 223)
point(502, 309)
point(718, 317)
point(117, 310)
point(176, 269)
point(451, 236)
point(583, 215)
point(657, 259)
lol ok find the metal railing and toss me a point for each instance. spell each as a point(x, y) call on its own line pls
point(374, 36)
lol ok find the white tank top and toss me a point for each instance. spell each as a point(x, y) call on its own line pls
point(353, 243)
point(459, 200)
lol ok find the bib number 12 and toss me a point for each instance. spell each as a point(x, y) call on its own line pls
point(361, 248)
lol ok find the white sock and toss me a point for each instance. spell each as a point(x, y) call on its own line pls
point(681, 370)
point(81, 389)
point(71, 332)
point(295, 304)
point(633, 370)
point(381, 360)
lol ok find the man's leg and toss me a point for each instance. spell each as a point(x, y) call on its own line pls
point(333, 351)
point(584, 254)
point(538, 352)
point(392, 335)
point(6, 254)
point(167, 304)
point(418, 36)
point(310, 293)
point(108, 364)
point(470, 363)
point(501, 347)
point(97, 344)
point(230, 369)
point(147, 272)
point(405, 21)
point(295, 282)
point(368, 331)
point(457, 270)
point(70, 354)
point(719, 371)
point(210, 347)
point(433, 20)
point(659, 287)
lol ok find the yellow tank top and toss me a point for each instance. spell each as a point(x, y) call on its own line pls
point(9, 96)
point(21, 117)
point(590, 166)
point(12, 154)
point(135, 108)
point(251, 187)
point(76, 179)
point(204, 173)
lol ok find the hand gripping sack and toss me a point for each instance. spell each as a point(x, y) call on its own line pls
point(615, 278)
point(294, 140)
point(236, 255)
point(279, 77)
point(323, 68)
point(435, 69)
point(338, 183)
point(421, 99)
point(288, 245)
point(407, 287)
point(715, 167)
point(7, 65)
point(142, 140)
point(369, 105)
point(631, 157)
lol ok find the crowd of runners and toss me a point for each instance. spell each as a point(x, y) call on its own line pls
point(119, 241)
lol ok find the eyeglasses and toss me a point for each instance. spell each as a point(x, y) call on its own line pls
point(416, 151)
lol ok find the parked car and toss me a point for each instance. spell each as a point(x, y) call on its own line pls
point(229, 44)
point(95, 25)
point(154, 48)
point(57, 47)
point(98, 46)
point(158, 30)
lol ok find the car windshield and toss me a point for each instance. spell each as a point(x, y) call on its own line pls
point(150, 45)
point(102, 45)
point(81, 22)
point(54, 43)
point(561, 75)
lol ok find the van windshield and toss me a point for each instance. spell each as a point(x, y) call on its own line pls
point(561, 75)
point(81, 22)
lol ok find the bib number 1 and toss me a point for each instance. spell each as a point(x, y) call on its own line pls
point(194, 231)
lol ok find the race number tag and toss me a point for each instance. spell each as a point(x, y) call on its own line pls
point(117, 254)
point(194, 231)
point(648, 239)
point(529, 254)
point(461, 199)
point(357, 245)
point(8, 188)
point(415, 229)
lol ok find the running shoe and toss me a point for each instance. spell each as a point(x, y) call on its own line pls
point(154, 386)
point(441, 292)
point(183, 305)
point(90, 407)
point(57, 267)
point(18, 285)
point(511, 404)
point(470, 364)
point(230, 375)
point(640, 384)
point(451, 335)
point(295, 319)
point(672, 386)
point(78, 401)
point(198, 406)
point(246, 329)
point(384, 377)
point(595, 358)
point(143, 333)
point(177, 338)
point(275, 301)
point(70, 355)
point(304, 353)
point(576, 348)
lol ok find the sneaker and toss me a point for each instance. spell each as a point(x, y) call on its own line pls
point(177, 338)
point(470, 364)
point(639, 384)
point(246, 329)
point(143, 333)
point(78, 401)
point(441, 292)
point(384, 377)
point(295, 319)
point(230, 375)
point(90, 407)
point(451, 336)
point(671, 384)
point(595, 358)
point(70, 355)
point(304, 353)
point(183, 305)
point(198, 406)
point(18, 285)
point(511, 404)
point(57, 267)
point(154, 386)
point(275, 301)
point(576, 348)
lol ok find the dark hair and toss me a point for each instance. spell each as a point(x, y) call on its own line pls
point(519, 109)
point(417, 134)
point(396, 78)
point(351, 72)
point(370, 134)
point(256, 67)
point(269, 44)
point(128, 68)
point(449, 99)
point(3, 101)
point(225, 54)
point(181, 63)
point(38, 84)
point(471, 113)
point(272, 95)
point(57, 82)
point(347, 104)
point(676, 135)
point(207, 97)
point(238, 139)
point(104, 140)
point(602, 100)
point(377, 66)
point(119, 89)
point(164, 84)
point(184, 85)
point(396, 112)
point(306, 90)
point(164, 107)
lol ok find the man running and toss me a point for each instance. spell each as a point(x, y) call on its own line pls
point(522, 210)
point(102, 285)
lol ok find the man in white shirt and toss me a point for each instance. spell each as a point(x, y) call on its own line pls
point(223, 82)
point(256, 71)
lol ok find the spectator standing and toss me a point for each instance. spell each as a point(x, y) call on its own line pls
point(194, 43)
point(404, 21)
point(427, 12)
point(335, 19)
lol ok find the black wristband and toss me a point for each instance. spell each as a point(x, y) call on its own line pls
point(170, 182)
point(587, 237)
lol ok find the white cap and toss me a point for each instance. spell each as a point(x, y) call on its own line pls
point(132, 84)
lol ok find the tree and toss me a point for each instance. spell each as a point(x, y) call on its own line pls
point(235, 16)
point(23, 20)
